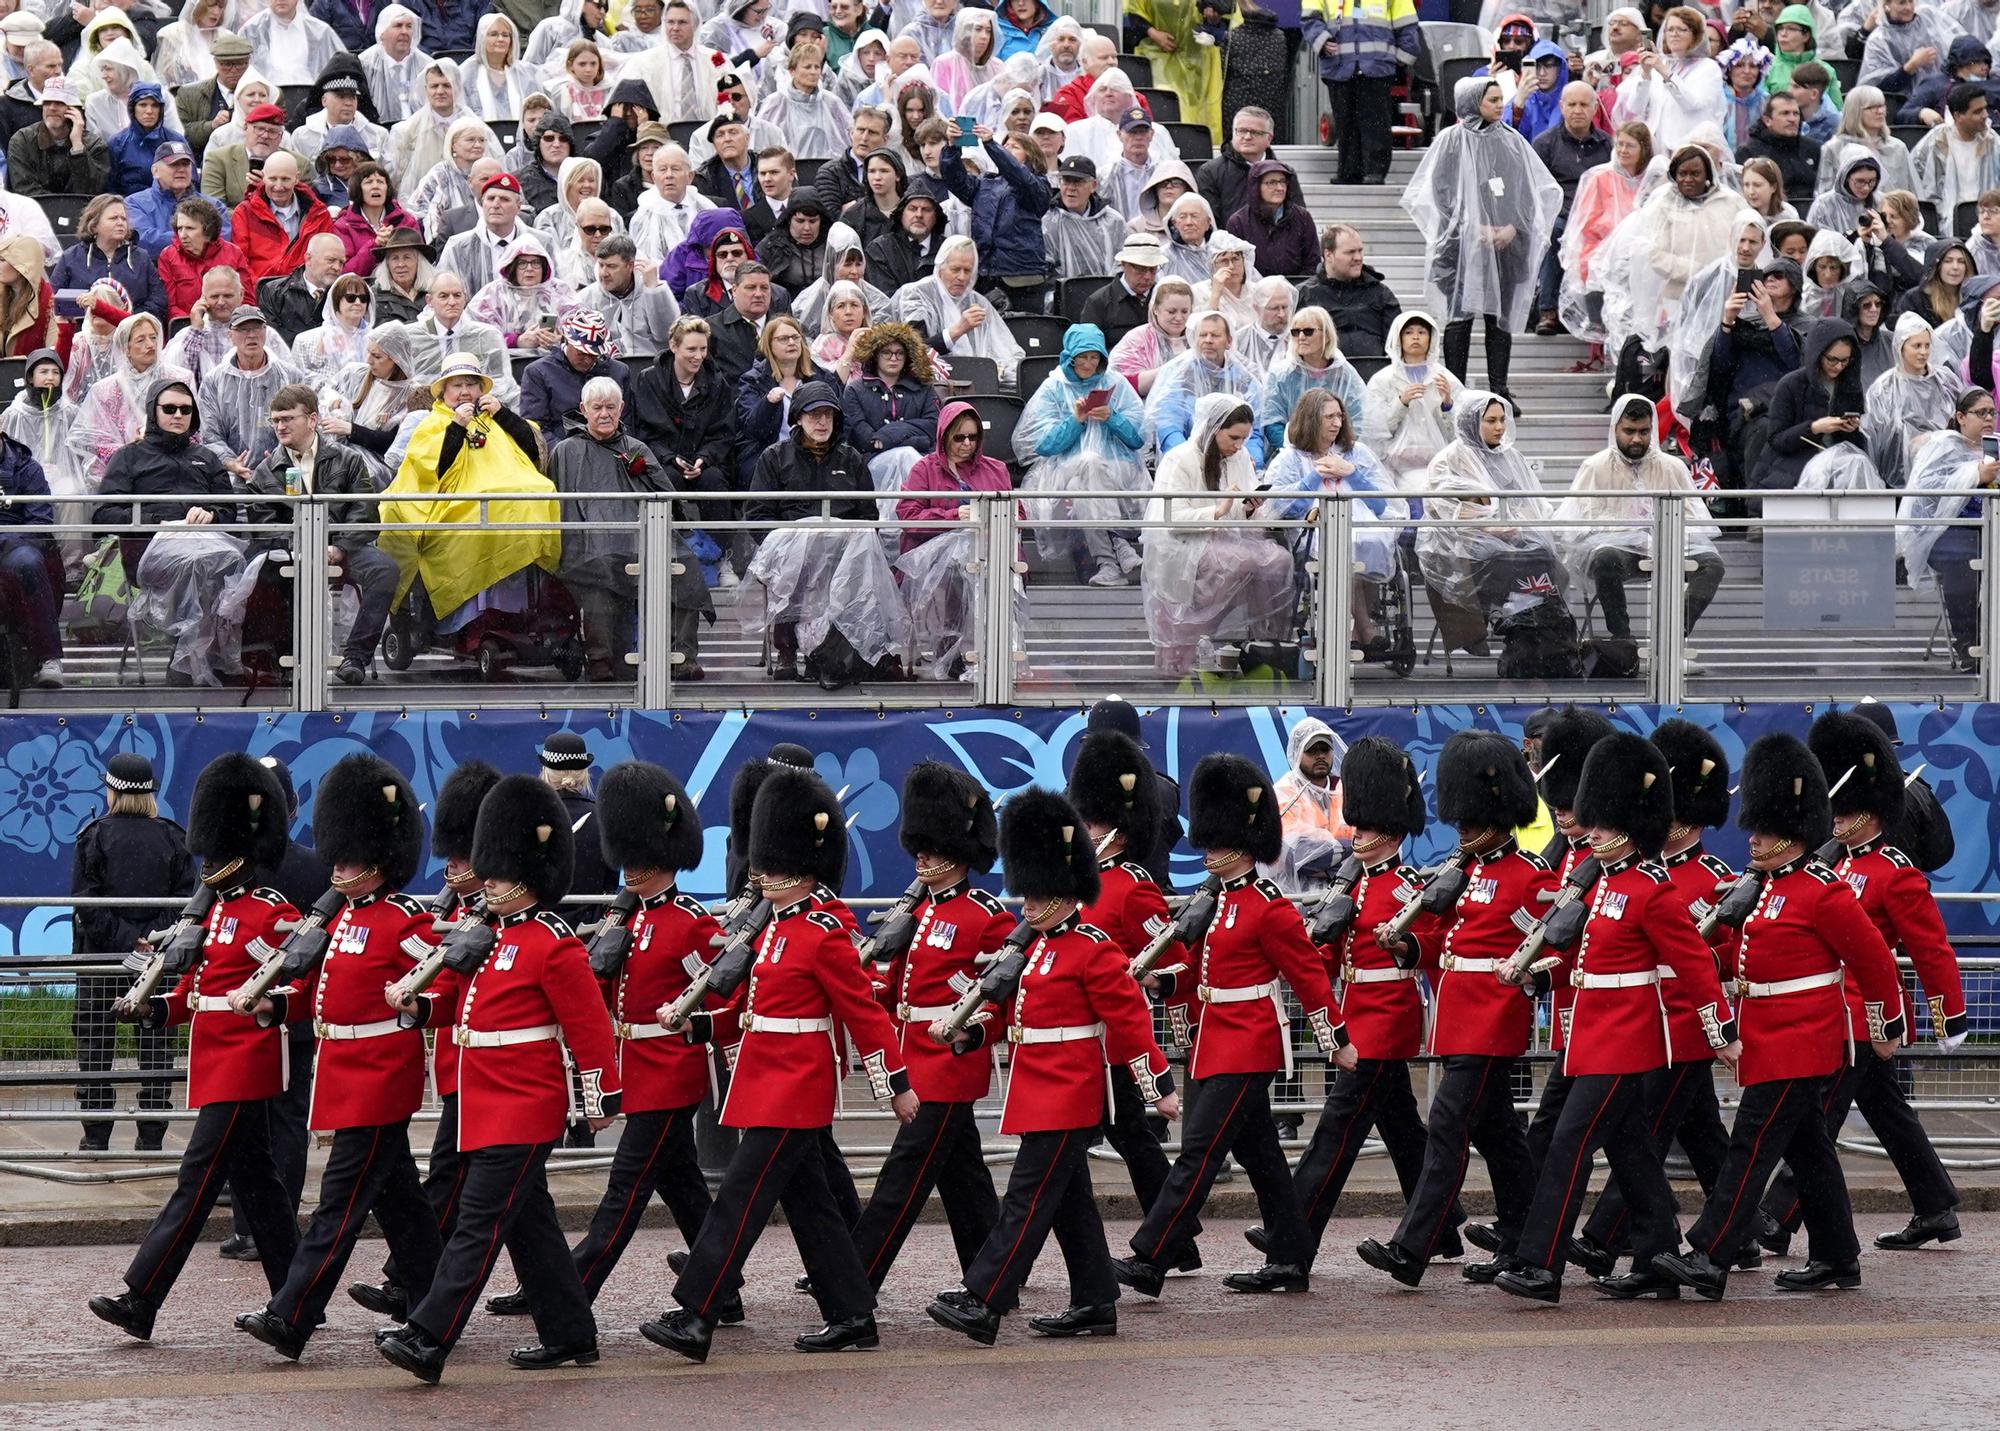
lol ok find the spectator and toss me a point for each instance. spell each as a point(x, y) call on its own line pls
point(813, 123)
point(1957, 162)
point(950, 315)
point(639, 314)
point(1820, 115)
point(1968, 61)
point(1744, 65)
point(667, 209)
point(1008, 102)
point(1209, 366)
point(1537, 100)
point(196, 248)
point(910, 250)
point(339, 90)
point(1754, 347)
point(1604, 198)
point(777, 176)
point(1948, 558)
point(1905, 43)
point(1143, 352)
point(1312, 361)
point(1814, 409)
point(204, 342)
point(973, 58)
point(275, 223)
point(1677, 87)
point(1096, 54)
point(393, 67)
point(229, 172)
point(875, 212)
point(1224, 181)
point(1275, 220)
point(846, 263)
point(679, 73)
point(1230, 274)
point(938, 557)
point(552, 385)
point(1937, 297)
point(889, 410)
point(625, 192)
point(1796, 44)
point(736, 329)
point(494, 82)
point(729, 176)
point(424, 139)
point(683, 410)
point(105, 249)
point(525, 300)
point(120, 69)
point(1763, 190)
point(1259, 343)
point(1129, 168)
point(1569, 149)
point(842, 179)
point(728, 249)
point(297, 302)
point(1125, 303)
point(41, 419)
point(152, 209)
point(766, 390)
point(1910, 404)
point(1050, 135)
point(1777, 136)
point(1008, 216)
point(1354, 295)
point(846, 314)
point(626, 113)
point(1687, 224)
point(403, 275)
point(1070, 441)
point(475, 256)
point(576, 181)
point(1082, 236)
point(795, 252)
point(29, 600)
point(576, 262)
point(289, 47)
point(581, 91)
point(1407, 419)
point(1171, 181)
point(1197, 572)
point(199, 103)
point(371, 214)
point(41, 64)
point(236, 395)
point(27, 301)
point(1701, 308)
point(366, 401)
point(1864, 132)
point(59, 155)
point(445, 199)
point(1868, 310)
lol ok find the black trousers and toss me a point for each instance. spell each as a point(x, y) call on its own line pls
point(839, 1180)
point(1958, 583)
point(1458, 349)
point(96, 1035)
point(373, 574)
point(1872, 1086)
point(1611, 568)
point(367, 1170)
point(288, 1114)
point(1132, 1137)
point(775, 1167)
point(230, 1142)
point(505, 1202)
point(938, 1149)
point(1049, 1191)
point(1542, 1127)
point(444, 1177)
point(1608, 1111)
point(1231, 1115)
point(1472, 1108)
point(1375, 1096)
point(1782, 1119)
point(1680, 1107)
point(655, 1155)
point(1361, 119)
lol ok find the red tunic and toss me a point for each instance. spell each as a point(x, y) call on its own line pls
point(1695, 874)
point(1638, 931)
point(1131, 909)
point(536, 988)
point(1257, 934)
point(231, 1058)
point(1381, 1004)
point(1472, 1011)
point(369, 1070)
point(1078, 982)
point(788, 1067)
point(1807, 926)
point(953, 927)
point(670, 944)
point(1896, 895)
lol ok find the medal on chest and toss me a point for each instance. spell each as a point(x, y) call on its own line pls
point(503, 957)
point(1229, 919)
point(1482, 891)
point(352, 939)
point(941, 936)
point(1614, 906)
point(1856, 880)
point(1775, 908)
point(225, 930)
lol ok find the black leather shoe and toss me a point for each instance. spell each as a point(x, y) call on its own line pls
point(1818, 1276)
point(730, 1313)
point(1693, 1270)
point(412, 1349)
point(1594, 1260)
point(508, 1304)
point(1450, 1247)
point(1271, 1277)
point(1641, 1282)
point(1190, 1260)
point(1098, 1321)
point(804, 1284)
point(541, 1358)
point(678, 1260)
point(1537, 1284)
point(1138, 1274)
point(680, 1331)
point(1484, 1274)
point(962, 1312)
point(238, 1248)
point(1750, 1258)
point(274, 1332)
point(1938, 1227)
point(849, 1333)
point(128, 1312)
point(1391, 1258)
point(384, 1299)
point(1483, 1235)
point(1258, 1238)
point(1771, 1236)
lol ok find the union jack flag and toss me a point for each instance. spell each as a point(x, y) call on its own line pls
point(1541, 584)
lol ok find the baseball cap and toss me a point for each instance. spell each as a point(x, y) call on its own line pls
point(1077, 166)
point(1133, 119)
point(1047, 123)
point(245, 315)
point(174, 151)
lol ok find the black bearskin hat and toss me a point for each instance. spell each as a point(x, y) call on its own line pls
point(1379, 788)
point(1483, 780)
point(645, 820)
point(1843, 742)
point(1112, 783)
point(797, 828)
point(365, 813)
point(523, 835)
point(1045, 852)
point(1784, 791)
point(238, 812)
point(457, 812)
point(1626, 787)
point(949, 814)
point(1700, 773)
point(1231, 806)
point(1566, 743)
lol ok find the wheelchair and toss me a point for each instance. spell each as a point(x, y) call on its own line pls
point(1389, 601)
point(548, 633)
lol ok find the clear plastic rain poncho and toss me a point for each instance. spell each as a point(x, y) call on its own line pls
point(40, 419)
point(986, 103)
point(815, 125)
point(1083, 244)
point(514, 308)
point(1313, 827)
point(1495, 492)
point(1605, 196)
point(1947, 461)
point(1185, 380)
point(1606, 494)
point(1702, 303)
point(960, 72)
point(1839, 208)
point(356, 394)
point(1406, 436)
point(1187, 252)
point(113, 413)
point(1064, 454)
point(1240, 306)
point(931, 305)
point(1486, 205)
point(321, 352)
point(1378, 516)
point(1905, 412)
point(192, 584)
point(1650, 257)
point(826, 579)
point(1825, 300)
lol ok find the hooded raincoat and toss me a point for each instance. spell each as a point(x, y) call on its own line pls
point(1285, 238)
point(1064, 453)
point(1906, 411)
point(1701, 306)
point(514, 309)
point(1946, 462)
point(1494, 493)
point(1839, 208)
point(488, 94)
point(1185, 259)
point(1801, 398)
point(1408, 435)
point(815, 125)
point(1314, 827)
point(1655, 251)
point(1287, 380)
point(1605, 197)
point(114, 413)
point(930, 307)
point(41, 420)
point(1606, 495)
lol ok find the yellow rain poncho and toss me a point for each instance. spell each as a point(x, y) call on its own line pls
point(1192, 71)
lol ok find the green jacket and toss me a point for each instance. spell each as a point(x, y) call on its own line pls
point(1782, 64)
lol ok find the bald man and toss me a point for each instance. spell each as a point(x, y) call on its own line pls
point(278, 218)
point(1568, 149)
point(1097, 55)
point(298, 300)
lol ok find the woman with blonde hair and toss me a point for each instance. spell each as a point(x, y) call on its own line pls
point(1864, 129)
point(493, 79)
point(1232, 270)
point(764, 393)
point(1141, 353)
point(448, 185)
point(1310, 362)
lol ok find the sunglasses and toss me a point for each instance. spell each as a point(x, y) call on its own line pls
point(598, 229)
point(176, 409)
point(965, 437)
point(1305, 332)
point(353, 298)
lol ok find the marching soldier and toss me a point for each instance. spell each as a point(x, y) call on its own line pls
point(1244, 1039)
point(1479, 1025)
point(531, 1000)
point(454, 817)
point(788, 1066)
point(1113, 787)
point(370, 1074)
point(649, 828)
point(1075, 1006)
point(1808, 929)
point(236, 1065)
point(948, 830)
point(1896, 897)
point(1637, 928)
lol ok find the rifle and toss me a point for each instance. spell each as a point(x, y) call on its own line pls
point(175, 949)
point(1328, 920)
point(300, 950)
point(728, 969)
point(611, 936)
point(1560, 927)
point(1439, 894)
point(997, 983)
point(1189, 925)
point(467, 941)
point(1739, 897)
point(897, 930)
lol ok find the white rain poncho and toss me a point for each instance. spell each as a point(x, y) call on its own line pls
point(1260, 347)
point(1486, 205)
point(1097, 138)
point(947, 604)
point(809, 304)
point(321, 352)
point(514, 309)
point(490, 95)
point(1674, 104)
point(1183, 381)
point(419, 143)
point(1947, 461)
point(1055, 76)
point(958, 72)
point(109, 26)
point(236, 407)
point(1062, 454)
point(986, 103)
point(189, 581)
point(826, 579)
point(182, 51)
point(356, 394)
point(1606, 494)
point(1838, 208)
point(44, 429)
point(1840, 468)
point(1287, 380)
point(1086, 244)
point(1605, 197)
point(1650, 257)
point(1491, 489)
point(1238, 307)
point(1890, 46)
point(1406, 436)
point(113, 412)
point(1378, 517)
point(1701, 306)
point(1202, 579)
point(930, 304)
point(1151, 218)
point(557, 223)
point(1905, 412)
point(1188, 257)
point(815, 125)
point(396, 86)
point(1826, 300)
point(107, 114)
point(1310, 812)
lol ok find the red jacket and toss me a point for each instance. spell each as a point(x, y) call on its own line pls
point(1896, 895)
point(1808, 925)
point(181, 274)
point(1072, 103)
point(232, 1059)
point(267, 248)
point(1638, 939)
point(1130, 908)
point(1078, 981)
point(42, 331)
point(1256, 934)
point(370, 1067)
point(1381, 1004)
point(1695, 874)
point(1472, 1012)
point(536, 987)
point(659, 1070)
point(788, 1067)
point(953, 926)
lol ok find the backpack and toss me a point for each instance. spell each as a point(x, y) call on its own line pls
point(1539, 644)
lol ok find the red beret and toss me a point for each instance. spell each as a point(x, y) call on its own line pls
point(502, 180)
point(265, 114)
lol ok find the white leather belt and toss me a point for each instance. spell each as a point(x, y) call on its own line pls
point(503, 1038)
point(339, 1032)
point(764, 1023)
point(1075, 1033)
point(1249, 994)
point(1667, 972)
point(921, 1013)
point(630, 1032)
point(1580, 980)
point(1791, 986)
point(210, 1004)
point(1391, 975)
point(1458, 964)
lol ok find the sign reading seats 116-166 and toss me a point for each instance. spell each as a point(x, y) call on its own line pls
point(1827, 579)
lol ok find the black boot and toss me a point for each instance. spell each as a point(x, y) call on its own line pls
point(542, 1358)
point(1818, 1276)
point(1140, 1275)
point(152, 1138)
point(1939, 1227)
point(508, 1304)
point(1537, 1284)
point(680, 1331)
point(1391, 1258)
point(962, 1312)
point(129, 1312)
point(1771, 1235)
point(1458, 346)
point(855, 1333)
point(1098, 1321)
point(412, 1349)
point(677, 1260)
point(1594, 1260)
point(96, 1138)
point(274, 1332)
point(385, 1299)
point(1483, 1235)
point(1271, 1277)
point(1693, 1269)
point(1499, 360)
point(1639, 1282)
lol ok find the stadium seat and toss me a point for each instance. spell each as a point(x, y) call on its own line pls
point(1196, 144)
point(1164, 104)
